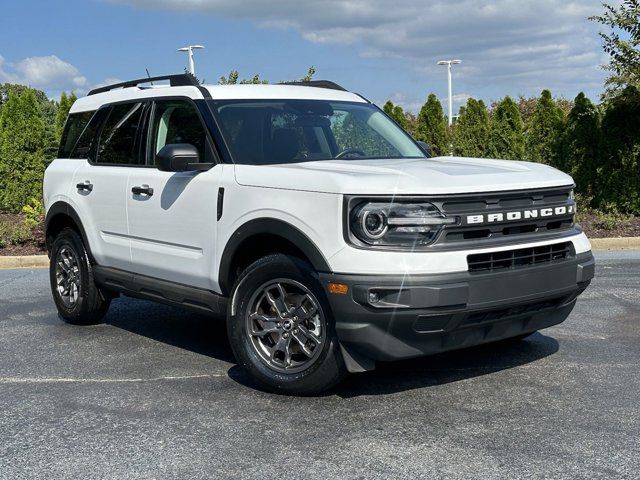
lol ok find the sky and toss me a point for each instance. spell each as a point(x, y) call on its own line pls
point(380, 49)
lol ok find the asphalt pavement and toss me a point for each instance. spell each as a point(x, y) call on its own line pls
point(155, 393)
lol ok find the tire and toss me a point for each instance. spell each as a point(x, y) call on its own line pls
point(307, 358)
point(84, 303)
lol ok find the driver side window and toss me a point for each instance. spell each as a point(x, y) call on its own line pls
point(177, 121)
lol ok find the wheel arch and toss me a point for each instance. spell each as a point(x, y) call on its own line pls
point(260, 237)
point(59, 216)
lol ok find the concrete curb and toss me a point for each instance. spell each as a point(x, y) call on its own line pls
point(42, 261)
point(621, 243)
point(30, 261)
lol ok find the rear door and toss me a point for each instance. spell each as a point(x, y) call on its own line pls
point(172, 216)
point(111, 150)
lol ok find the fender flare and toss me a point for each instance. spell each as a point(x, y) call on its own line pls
point(63, 208)
point(270, 226)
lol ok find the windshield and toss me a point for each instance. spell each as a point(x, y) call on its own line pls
point(262, 132)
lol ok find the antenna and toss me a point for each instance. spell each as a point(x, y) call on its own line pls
point(148, 76)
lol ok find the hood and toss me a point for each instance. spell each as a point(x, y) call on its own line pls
point(416, 176)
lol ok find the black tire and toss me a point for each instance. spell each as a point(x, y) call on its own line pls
point(91, 304)
point(325, 370)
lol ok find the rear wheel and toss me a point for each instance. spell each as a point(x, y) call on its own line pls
point(77, 297)
point(281, 330)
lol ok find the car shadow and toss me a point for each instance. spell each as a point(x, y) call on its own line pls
point(207, 336)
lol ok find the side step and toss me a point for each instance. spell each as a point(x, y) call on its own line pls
point(149, 288)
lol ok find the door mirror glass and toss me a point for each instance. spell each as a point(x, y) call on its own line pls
point(425, 147)
point(178, 157)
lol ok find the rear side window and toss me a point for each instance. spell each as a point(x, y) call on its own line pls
point(120, 137)
point(76, 123)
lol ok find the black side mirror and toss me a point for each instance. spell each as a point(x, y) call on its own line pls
point(180, 157)
point(425, 147)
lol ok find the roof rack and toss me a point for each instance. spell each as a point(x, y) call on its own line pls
point(317, 83)
point(179, 80)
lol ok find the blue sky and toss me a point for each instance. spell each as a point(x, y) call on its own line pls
point(378, 48)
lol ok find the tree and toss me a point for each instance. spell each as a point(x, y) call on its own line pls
point(622, 43)
point(581, 144)
point(22, 141)
point(544, 132)
point(310, 73)
point(506, 139)
point(397, 113)
point(431, 126)
point(472, 130)
point(618, 175)
point(63, 111)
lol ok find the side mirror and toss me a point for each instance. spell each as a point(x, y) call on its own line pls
point(180, 157)
point(425, 147)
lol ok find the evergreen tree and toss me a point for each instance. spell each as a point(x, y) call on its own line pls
point(506, 139)
point(63, 111)
point(618, 175)
point(472, 130)
point(581, 144)
point(397, 113)
point(544, 133)
point(431, 126)
point(22, 140)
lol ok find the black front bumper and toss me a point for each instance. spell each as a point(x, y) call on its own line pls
point(391, 317)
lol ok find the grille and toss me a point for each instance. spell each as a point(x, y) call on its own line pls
point(500, 202)
point(522, 257)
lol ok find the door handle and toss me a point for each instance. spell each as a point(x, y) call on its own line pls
point(87, 186)
point(144, 190)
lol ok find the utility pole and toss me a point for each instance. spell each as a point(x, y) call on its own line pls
point(448, 63)
point(191, 67)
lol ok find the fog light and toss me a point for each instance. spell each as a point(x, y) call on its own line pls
point(374, 297)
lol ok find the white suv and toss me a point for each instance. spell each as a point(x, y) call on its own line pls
point(329, 238)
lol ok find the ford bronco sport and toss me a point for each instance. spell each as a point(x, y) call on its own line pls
point(326, 235)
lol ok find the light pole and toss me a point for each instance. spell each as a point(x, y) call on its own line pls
point(448, 63)
point(191, 67)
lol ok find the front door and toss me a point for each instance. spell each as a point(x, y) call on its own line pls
point(172, 216)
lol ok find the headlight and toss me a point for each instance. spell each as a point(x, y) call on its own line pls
point(397, 224)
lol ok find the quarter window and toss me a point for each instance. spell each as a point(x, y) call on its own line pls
point(76, 123)
point(119, 142)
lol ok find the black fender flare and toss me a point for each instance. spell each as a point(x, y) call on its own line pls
point(63, 208)
point(270, 226)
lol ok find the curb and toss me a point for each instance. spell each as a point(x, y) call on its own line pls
point(30, 261)
point(621, 243)
point(42, 261)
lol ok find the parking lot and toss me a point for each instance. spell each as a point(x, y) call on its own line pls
point(155, 393)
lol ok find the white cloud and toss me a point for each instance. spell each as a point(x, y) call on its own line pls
point(536, 43)
point(48, 73)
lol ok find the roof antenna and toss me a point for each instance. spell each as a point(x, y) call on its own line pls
point(149, 76)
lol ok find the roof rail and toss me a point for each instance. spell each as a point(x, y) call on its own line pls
point(179, 80)
point(317, 83)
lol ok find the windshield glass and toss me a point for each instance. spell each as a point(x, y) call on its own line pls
point(262, 132)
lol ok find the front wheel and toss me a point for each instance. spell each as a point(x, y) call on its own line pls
point(281, 330)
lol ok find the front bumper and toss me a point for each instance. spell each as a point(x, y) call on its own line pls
point(425, 314)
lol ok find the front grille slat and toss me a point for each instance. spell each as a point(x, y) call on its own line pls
point(519, 258)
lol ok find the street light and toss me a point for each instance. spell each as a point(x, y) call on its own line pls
point(191, 67)
point(448, 63)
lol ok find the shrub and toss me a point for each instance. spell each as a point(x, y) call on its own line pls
point(33, 212)
point(14, 233)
